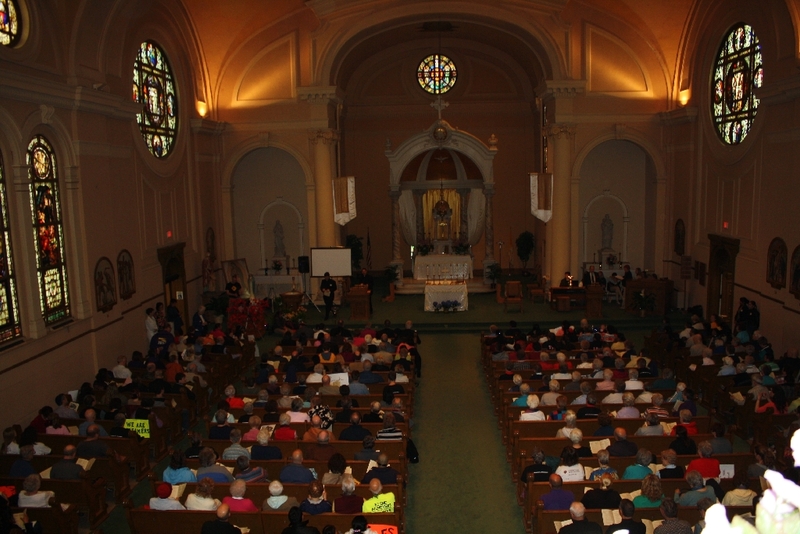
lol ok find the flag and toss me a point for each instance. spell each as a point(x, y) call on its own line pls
point(369, 252)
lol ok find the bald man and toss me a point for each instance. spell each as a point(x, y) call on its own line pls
point(220, 525)
point(385, 474)
point(67, 468)
point(91, 416)
point(316, 427)
point(295, 473)
point(379, 502)
point(326, 388)
point(322, 450)
point(557, 498)
point(621, 445)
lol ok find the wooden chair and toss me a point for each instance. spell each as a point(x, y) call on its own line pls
point(513, 294)
point(535, 291)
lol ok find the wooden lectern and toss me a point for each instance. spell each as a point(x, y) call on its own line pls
point(359, 303)
point(292, 299)
point(594, 301)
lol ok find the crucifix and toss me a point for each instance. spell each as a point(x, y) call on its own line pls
point(439, 105)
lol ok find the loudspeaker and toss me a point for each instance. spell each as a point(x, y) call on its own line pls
point(303, 265)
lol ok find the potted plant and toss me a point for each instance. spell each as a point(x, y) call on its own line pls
point(493, 273)
point(353, 242)
point(644, 302)
point(277, 265)
point(526, 244)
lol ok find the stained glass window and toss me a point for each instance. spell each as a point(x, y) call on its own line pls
point(48, 231)
point(9, 23)
point(9, 308)
point(738, 70)
point(154, 89)
point(437, 74)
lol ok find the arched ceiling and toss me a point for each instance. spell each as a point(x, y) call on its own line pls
point(488, 34)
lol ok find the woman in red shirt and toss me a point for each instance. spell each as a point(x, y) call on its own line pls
point(707, 466)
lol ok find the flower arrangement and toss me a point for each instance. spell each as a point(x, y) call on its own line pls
point(249, 315)
point(277, 265)
point(294, 315)
point(611, 259)
point(461, 248)
point(424, 247)
point(446, 305)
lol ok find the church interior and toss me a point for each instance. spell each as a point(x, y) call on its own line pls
point(138, 139)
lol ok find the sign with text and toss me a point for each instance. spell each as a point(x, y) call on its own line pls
point(140, 426)
point(384, 529)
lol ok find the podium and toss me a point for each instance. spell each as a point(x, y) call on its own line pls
point(359, 303)
point(594, 301)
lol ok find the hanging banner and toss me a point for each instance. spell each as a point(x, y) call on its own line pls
point(542, 195)
point(344, 199)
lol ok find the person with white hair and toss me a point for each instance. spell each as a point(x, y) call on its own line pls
point(236, 501)
point(277, 501)
point(316, 376)
point(728, 368)
point(551, 397)
point(580, 525)
point(524, 391)
point(628, 410)
point(533, 413)
point(348, 502)
point(576, 437)
point(575, 385)
point(633, 383)
point(607, 384)
point(570, 422)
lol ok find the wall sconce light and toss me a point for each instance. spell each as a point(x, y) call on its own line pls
point(202, 108)
point(684, 96)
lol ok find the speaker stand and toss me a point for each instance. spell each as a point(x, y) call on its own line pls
point(307, 296)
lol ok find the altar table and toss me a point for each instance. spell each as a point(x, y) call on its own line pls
point(443, 267)
point(448, 291)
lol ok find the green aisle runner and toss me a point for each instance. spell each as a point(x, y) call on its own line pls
point(462, 483)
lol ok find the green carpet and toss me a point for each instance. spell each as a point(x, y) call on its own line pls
point(462, 483)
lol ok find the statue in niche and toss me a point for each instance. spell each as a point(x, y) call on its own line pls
point(607, 227)
point(280, 248)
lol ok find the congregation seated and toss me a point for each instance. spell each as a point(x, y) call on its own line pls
point(604, 497)
point(31, 496)
point(620, 445)
point(202, 498)
point(236, 501)
point(277, 501)
point(163, 501)
point(697, 490)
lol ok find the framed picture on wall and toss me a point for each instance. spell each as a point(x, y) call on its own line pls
point(127, 281)
point(105, 285)
point(777, 255)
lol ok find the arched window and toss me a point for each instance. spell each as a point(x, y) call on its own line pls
point(154, 88)
point(48, 231)
point(437, 74)
point(738, 70)
point(9, 308)
point(10, 27)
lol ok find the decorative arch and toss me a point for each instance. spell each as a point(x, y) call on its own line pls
point(300, 226)
point(227, 185)
point(625, 221)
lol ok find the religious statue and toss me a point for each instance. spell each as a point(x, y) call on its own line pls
point(209, 277)
point(280, 248)
point(607, 227)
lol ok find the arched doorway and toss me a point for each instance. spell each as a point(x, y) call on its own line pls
point(721, 275)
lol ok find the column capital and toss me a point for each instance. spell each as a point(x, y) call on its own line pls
point(488, 192)
point(560, 131)
point(327, 137)
point(394, 194)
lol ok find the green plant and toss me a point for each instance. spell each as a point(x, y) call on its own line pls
point(353, 242)
point(493, 272)
point(644, 301)
point(390, 273)
point(526, 244)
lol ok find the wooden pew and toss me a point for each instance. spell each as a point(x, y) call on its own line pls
point(86, 494)
point(143, 521)
point(392, 448)
point(301, 428)
point(543, 521)
point(554, 446)
point(116, 473)
point(159, 437)
point(273, 467)
point(136, 452)
point(53, 519)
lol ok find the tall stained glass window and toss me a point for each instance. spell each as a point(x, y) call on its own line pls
point(9, 308)
point(48, 231)
point(738, 70)
point(437, 74)
point(10, 29)
point(154, 89)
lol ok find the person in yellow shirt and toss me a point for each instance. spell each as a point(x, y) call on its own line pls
point(379, 502)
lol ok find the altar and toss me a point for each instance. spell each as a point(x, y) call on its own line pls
point(446, 291)
point(443, 267)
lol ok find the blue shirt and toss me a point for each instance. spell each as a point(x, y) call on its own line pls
point(558, 499)
point(296, 474)
point(178, 476)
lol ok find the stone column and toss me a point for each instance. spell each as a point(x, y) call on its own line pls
point(397, 260)
point(561, 136)
point(462, 227)
point(489, 228)
point(323, 142)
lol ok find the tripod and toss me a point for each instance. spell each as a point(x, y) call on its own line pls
point(307, 296)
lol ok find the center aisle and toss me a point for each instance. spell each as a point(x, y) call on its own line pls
point(462, 483)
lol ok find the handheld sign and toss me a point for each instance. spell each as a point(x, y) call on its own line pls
point(140, 426)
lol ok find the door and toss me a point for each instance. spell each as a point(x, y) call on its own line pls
point(721, 276)
point(174, 272)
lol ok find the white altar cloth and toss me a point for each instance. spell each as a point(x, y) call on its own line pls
point(443, 267)
point(439, 292)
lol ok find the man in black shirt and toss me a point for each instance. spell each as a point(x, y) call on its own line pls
point(233, 288)
point(626, 510)
point(328, 287)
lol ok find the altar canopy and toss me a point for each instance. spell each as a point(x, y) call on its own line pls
point(442, 227)
point(443, 267)
point(453, 291)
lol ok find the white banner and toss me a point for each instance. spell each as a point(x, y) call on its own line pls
point(344, 199)
point(542, 196)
